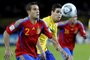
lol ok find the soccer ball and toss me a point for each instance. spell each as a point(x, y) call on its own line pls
point(69, 10)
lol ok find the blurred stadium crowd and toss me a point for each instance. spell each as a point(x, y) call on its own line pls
point(15, 8)
point(10, 10)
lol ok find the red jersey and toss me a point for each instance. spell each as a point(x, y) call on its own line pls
point(28, 35)
point(67, 35)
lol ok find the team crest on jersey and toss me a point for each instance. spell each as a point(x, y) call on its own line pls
point(38, 30)
point(33, 28)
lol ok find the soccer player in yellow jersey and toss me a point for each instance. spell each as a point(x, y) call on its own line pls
point(50, 21)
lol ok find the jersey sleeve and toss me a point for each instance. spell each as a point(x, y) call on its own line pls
point(46, 30)
point(62, 23)
point(13, 27)
point(82, 30)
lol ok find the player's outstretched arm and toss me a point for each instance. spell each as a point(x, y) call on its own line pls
point(9, 30)
point(62, 23)
point(42, 56)
point(48, 33)
point(7, 46)
point(58, 47)
point(82, 30)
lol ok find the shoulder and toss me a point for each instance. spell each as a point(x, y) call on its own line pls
point(46, 19)
point(79, 22)
point(42, 22)
point(20, 21)
point(63, 23)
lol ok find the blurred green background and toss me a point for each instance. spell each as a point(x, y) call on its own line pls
point(81, 52)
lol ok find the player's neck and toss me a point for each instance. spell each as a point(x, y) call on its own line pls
point(33, 21)
point(52, 18)
point(72, 24)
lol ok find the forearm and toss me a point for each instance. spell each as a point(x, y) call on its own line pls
point(42, 55)
point(56, 44)
point(39, 46)
point(6, 40)
point(58, 47)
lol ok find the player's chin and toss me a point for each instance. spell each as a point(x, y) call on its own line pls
point(57, 20)
point(37, 17)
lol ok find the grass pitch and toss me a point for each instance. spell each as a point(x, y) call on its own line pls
point(81, 52)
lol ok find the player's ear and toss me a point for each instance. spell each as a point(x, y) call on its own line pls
point(51, 12)
point(28, 12)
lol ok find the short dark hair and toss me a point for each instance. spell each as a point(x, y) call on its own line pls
point(57, 5)
point(28, 6)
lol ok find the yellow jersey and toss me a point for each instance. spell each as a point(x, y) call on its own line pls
point(43, 38)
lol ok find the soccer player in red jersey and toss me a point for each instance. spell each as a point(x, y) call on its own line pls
point(29, 29)
point(67, 35)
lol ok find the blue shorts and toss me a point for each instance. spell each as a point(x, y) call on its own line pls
point(49, 56)
point(27, 57)
point(68, 51)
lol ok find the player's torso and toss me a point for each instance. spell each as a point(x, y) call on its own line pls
point(28, 38)
point(67, 37)
point(51, 24)
point(70, 32)
point(31, 31)
point(53, 27)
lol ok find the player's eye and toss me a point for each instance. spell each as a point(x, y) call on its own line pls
point(34, 9)
point(58, 12)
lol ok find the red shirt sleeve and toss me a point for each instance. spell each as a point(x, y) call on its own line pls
point(47, 31)
point(11, 28)
point(82, 30)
